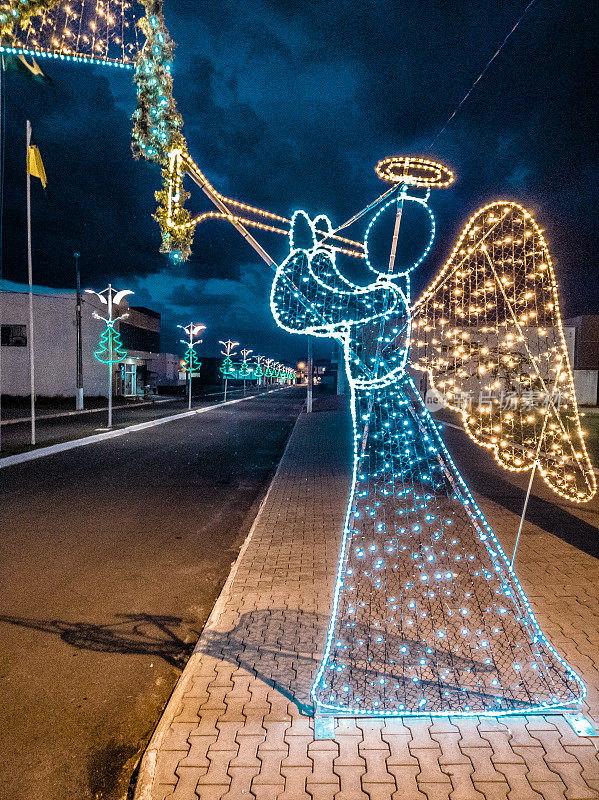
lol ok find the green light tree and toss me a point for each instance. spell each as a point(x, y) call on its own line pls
point(258, 373)
point(226, 368)
point(192, 362)
point(110, 349)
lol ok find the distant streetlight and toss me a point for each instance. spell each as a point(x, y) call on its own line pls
point(244, 366)
point(191, 360)
point(110, 349)
point(227, 365)
point(259, 372)
point(269, 367)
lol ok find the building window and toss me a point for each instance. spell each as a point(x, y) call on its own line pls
point(14, 336)
point(134, 338)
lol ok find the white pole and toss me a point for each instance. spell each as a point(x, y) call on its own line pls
point(1, 211)
point(532, 475)
point(30, 278)
point(225, 397)
point(310, 375)
point(110, 358)
point(190, 361)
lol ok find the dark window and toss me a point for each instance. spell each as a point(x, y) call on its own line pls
point(14, 336)
point(134, 338)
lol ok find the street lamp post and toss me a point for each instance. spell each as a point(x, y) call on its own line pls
point(110, 350)
point(79, 389)
point(269, 367)
point(192, 330)
point(245, 353)
point(310, 390)
point(227, 363)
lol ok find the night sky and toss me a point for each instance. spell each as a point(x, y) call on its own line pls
point(291, 104)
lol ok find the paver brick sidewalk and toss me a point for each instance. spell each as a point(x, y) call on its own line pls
point(236, 726)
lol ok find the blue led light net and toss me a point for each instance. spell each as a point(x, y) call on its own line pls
point(428, 617)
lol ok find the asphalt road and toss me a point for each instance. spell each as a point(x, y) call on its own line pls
point(112, 558)
point(16, 436)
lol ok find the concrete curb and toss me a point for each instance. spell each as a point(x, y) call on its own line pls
point(147, 769)
point(41, 452)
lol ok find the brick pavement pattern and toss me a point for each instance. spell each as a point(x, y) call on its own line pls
point(237, 724)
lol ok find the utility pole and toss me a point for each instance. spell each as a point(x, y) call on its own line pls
point(79, 390)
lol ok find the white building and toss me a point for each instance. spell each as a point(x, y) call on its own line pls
point(55, 345)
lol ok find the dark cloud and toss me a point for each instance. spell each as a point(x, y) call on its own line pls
point(290, 104)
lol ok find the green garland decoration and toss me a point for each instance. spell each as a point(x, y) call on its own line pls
point(157, 124)
point(20, 11)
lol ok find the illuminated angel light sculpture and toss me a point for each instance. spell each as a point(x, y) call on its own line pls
point(428, 616)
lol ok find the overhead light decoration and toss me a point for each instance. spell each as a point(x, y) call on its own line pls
point(428, 616)
point(104, 32)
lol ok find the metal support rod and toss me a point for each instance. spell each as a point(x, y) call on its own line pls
point(79, 388)
point(310, 390)
point(30, 279)
point(241, 228)
point(534, 467)
point(377, 358)
point(532, 475)
point(225, 396)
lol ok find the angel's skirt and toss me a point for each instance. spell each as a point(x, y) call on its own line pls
point(428, 617)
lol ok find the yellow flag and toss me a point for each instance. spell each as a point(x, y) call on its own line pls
point(35, 165)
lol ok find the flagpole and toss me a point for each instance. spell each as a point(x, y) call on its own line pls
point(1, 216)
point(30, 277)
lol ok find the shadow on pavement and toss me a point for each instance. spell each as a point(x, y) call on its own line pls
point(278, 646)
point(139, 634)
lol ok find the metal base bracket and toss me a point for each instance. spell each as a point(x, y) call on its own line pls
point(324, 726)
point(580, 724)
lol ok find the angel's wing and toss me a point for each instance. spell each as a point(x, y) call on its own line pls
point(488, 332)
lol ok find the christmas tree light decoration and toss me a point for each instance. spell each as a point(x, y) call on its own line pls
point(104, 32)
point(191, 363)
point(428, 615)
point(227, 368)
point(269, 368)
point(244, 369)
point(110, 350)
point(258, 371)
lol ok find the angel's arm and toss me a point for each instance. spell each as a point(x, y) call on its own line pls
point(305, 298)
